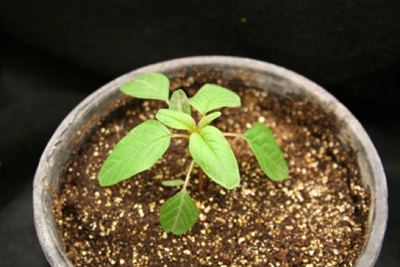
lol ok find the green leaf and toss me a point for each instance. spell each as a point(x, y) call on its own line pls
point(148, 86)
point(180, 102)
point(267, 151)
point(136, 152)
point(173, 182)
point(212, 96)
point(214, 155)
point(208, 119)
point(176, 119)
point(179, 213)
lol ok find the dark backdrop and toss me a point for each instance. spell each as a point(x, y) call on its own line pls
point(54, 54)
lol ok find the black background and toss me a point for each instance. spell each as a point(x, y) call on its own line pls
point(55, 54)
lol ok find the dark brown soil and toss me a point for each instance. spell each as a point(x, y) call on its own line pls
point(315, 218)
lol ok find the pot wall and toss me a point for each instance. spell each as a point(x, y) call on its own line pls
point(254, 73)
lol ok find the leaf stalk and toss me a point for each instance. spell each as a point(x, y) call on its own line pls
point(233, 135)
point(188, 174)
point(181, 135)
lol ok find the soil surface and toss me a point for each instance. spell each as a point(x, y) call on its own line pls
point(317, 217)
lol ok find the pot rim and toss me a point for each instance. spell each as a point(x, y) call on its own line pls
point(49, 239)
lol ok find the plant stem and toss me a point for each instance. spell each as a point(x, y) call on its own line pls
point(188, 174)
point(181, 135)
point(201, 179)
point(233, 135)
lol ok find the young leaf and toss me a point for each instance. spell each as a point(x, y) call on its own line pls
point(212, 96)
point(173, 182)
point(208, 119)
point(179, 213)
point(136, 152)
point(176, 119)
point(180, 102)
point(214, 155)
point(148, 86)
point(267, 151)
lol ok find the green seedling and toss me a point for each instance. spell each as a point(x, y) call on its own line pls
point(146, 143)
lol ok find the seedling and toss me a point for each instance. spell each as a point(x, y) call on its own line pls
point(146, 143)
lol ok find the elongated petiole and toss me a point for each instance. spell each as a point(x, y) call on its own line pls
point(188, 174)
point(181, 135)
point(233, 135)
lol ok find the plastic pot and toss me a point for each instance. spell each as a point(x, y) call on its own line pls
point(258, 74)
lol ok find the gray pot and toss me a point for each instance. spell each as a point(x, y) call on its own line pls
point(263, 75)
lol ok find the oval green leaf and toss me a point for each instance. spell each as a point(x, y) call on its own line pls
point(176, 119)
point(173, 182)
point(148, 86)
point(180, 102)
point(267, 151)
point(136, 152)
point(179, 213)
point(208, 119)
point(214, 155)
point(212, 96)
